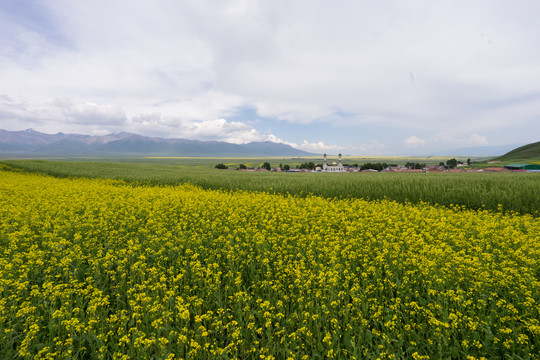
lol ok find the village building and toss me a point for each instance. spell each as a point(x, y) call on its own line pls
point(523, 167)
point(333, 167)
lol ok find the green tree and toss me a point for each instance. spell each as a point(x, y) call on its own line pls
point(452, 163)
point(308, 165)
point(266, 166)
point(372, 166)
point(221, 166)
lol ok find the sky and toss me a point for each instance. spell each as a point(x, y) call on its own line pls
point(362, 77)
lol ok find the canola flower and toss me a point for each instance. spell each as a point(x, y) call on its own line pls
point(107, 270)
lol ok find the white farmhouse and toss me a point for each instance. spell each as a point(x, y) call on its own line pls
point(333, 167)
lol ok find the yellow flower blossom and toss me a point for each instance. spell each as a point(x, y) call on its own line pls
point(106, 268)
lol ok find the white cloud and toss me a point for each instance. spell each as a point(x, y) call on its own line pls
point(155, 124)
point(316, 146)
point(372, 147)
point(66, 115)
point(235, 132)
point(415, 66)
point(60, 115)
point(110, 115)
point(476, 139)
point(414, 142)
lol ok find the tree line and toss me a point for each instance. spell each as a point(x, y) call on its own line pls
point(449, 164)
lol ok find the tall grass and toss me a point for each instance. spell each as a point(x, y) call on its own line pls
point(518, 192)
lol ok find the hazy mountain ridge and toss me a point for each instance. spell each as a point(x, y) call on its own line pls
point(30, 142)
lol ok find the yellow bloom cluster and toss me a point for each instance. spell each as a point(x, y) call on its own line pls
point(109, 270)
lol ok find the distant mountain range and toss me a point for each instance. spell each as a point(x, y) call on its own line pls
point(34, 143)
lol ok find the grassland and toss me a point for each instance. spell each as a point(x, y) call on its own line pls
point(509, 191)
point(105, 269)
point(528, 153)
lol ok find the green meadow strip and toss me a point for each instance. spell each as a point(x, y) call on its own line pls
point(514, 192)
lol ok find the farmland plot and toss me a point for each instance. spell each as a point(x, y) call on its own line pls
point(93, 268)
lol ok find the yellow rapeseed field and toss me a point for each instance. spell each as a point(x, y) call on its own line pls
point(109, 270)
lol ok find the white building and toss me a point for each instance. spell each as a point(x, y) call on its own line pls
point(333, 167)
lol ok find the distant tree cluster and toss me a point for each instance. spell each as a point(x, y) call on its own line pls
point(221, 166)
point(452, 163)
point(308, 166)
point(284, 167)
point(374, 166)
point(412, 165)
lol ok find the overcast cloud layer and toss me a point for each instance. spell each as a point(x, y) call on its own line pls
point(362, 77)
